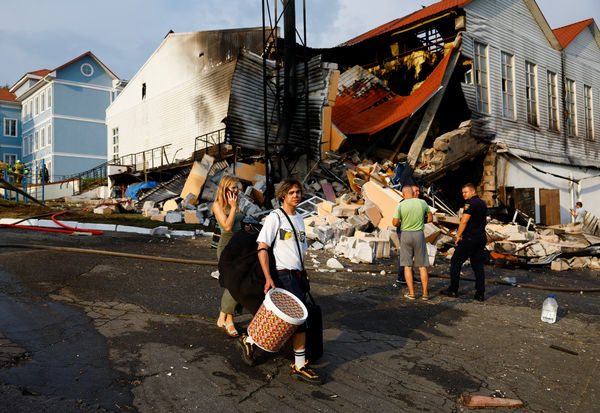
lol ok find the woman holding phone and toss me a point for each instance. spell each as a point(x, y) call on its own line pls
point(229, 219)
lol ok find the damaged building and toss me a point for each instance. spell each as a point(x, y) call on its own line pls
point(479, 91)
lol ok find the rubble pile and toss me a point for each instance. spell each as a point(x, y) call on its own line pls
point(561, 246)
point(348, 210)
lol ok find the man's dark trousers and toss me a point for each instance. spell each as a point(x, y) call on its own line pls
point(473, 249)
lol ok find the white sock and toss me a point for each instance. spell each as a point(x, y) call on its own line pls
point(299, 358)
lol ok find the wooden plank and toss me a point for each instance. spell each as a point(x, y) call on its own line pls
point(432, 107)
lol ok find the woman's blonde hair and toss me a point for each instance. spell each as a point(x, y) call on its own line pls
point(225, 182)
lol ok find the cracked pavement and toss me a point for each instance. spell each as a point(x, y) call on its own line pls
point(83, 332)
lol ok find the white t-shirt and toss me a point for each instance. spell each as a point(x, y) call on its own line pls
point(277, 233)
point(579, 214)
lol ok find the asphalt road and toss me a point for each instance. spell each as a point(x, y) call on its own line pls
point(81, 332)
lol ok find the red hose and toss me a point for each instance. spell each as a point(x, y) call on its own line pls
point(91, 231)
point(105, 203)
point(37, 228)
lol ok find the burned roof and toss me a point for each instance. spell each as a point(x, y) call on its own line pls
point(364, 104)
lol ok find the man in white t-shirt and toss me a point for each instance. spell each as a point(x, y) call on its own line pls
point(578, 213)
point(277, 234)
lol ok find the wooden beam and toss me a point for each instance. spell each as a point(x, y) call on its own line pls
point(432, 107)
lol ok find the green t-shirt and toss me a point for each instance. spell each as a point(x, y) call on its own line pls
point(412, 214)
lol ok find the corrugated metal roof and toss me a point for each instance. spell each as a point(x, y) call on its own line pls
point(430, 11)
point(245, 118)
point(167, 190)
point(364, 104)
point(567, 34)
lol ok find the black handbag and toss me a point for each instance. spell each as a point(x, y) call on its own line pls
point(314, 330)
point(314, 321)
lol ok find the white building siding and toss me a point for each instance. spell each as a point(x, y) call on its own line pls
point(187, 83)
point(176, 116)
point(582, 64)
point(509, 26)
point(519, 174)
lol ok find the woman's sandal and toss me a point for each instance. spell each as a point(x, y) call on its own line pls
point(410, 296)
point(229, 329)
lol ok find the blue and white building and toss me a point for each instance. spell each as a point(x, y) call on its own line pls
point(63, 115)
point(10, 122)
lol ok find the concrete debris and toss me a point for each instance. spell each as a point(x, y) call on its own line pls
point(173, 217)
point(333, 263)
point(104, 209)
point(350, 203)
point(559, 265)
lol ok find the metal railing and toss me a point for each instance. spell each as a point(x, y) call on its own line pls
point(144, 160)
point(213, 140)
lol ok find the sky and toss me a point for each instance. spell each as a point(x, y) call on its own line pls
point(124, 33)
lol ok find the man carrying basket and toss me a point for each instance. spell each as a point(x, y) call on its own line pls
point(285, 240)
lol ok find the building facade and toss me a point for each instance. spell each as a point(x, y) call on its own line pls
point(10, 121)
point(63, 116)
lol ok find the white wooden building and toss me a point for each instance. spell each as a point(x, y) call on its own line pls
point(536, 92)
point(179, 94)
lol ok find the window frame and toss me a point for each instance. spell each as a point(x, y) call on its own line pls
point(508, 86)
point(588, 110)
point(6, 128)
point(481, 77)
point(5, 158)
point(571, 107)
point(36, 140)
point(552, 85)
point(115, 142)
point(49, 134)
point(531, 90)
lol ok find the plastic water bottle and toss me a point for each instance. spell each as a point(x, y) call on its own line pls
point(549, 309)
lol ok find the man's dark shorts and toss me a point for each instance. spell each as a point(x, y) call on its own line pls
point(290, 280)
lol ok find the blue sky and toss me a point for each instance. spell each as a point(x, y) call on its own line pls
point(123, 34)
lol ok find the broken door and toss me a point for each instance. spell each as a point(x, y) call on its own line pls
point(549, 206)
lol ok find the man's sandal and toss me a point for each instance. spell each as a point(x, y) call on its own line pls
point(229, 329)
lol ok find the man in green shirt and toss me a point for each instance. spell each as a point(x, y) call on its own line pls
point(410, 214)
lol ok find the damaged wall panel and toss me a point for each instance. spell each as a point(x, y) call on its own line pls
point(245, 118)
point(186, 84)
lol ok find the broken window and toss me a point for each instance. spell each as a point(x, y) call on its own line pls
point(481, 78)
point(508, 82)
point(571, 109)
point(589, 114)
point(552, 102)
point(531, 93)
point(431, 39)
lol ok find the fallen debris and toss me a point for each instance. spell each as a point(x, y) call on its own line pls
point(487, 401)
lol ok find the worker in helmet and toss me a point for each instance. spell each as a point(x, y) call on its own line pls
point(18, 172)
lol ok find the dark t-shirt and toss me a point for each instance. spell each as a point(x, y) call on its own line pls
point(476, 225)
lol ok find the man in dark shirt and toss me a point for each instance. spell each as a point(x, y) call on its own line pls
point(470, 243)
